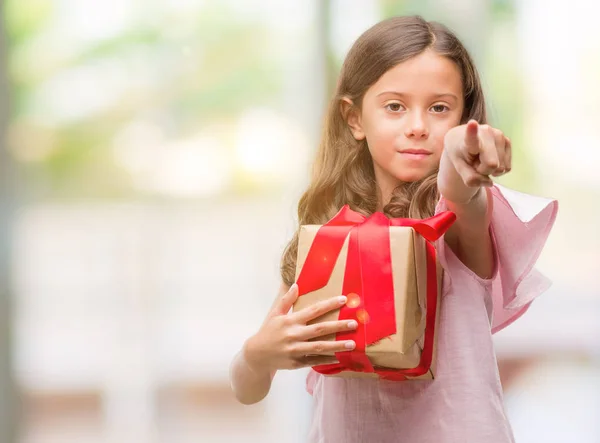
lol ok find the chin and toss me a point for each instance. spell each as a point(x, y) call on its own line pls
point(411, 177)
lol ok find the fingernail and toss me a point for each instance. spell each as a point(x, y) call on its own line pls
point(342, 299)
point(352, 324)
point(350, 345)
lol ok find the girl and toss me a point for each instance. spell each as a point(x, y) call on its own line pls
point(406, 134)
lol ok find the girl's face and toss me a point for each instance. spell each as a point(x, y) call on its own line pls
point(405, 116)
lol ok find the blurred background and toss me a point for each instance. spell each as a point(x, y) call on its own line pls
point(152, 156)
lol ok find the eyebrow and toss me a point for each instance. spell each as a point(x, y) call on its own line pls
point(402, 94)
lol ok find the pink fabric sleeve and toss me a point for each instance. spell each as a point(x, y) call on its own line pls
point(311, 380)
point(520, 227)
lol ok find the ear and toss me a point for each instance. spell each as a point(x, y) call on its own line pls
point(352, 117)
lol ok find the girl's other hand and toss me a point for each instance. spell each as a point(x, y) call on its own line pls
point(286, 341)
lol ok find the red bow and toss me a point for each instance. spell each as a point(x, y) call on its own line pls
point(368, 283)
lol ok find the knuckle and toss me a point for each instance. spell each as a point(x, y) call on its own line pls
point(320, 329)
point(284, 320)
point(291, 349)
point(319, 348)
point(314, 310)
point(289, 336)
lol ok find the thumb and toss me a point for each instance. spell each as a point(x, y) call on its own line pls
point(472, 137)
point(287, 301)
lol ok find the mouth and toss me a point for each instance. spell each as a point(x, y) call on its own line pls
point(415, 153)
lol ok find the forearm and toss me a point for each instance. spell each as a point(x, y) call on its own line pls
point(469, 237)
point(250, 384)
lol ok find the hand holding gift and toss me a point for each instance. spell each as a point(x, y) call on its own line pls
point(286, 341)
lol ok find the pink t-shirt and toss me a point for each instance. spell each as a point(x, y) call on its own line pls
point(464, 403)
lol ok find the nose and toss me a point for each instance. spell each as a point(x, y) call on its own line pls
point(416, 127)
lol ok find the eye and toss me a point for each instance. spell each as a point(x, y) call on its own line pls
point(394, 107)
point(438, 109)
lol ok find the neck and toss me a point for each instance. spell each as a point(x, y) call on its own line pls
point(385, 187)
point(384, 196)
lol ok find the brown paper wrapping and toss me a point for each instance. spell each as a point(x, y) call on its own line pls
point(409, 270)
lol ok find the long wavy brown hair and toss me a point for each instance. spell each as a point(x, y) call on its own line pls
point(343, 169)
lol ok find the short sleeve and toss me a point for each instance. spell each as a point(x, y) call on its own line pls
point(520, 226)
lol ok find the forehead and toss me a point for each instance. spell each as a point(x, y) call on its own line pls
point(425, 74)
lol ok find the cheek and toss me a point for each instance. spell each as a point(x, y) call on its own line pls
point(377, 124)
point(437, 136)
point(437, 142)
point(381, 134)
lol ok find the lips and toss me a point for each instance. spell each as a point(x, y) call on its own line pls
point(415, 151)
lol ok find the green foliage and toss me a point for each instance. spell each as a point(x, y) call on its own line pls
point(212, 66)
point(24, 18)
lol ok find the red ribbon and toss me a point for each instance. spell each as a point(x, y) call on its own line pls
point(368, 283)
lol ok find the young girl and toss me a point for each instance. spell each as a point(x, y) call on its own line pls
point(406, 134)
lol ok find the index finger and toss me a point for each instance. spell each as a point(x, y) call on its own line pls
point(472, 137)
point(318, 309)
